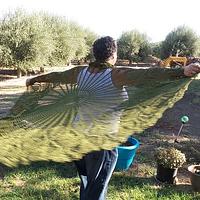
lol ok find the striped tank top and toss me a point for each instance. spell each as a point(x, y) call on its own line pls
point(100, 99)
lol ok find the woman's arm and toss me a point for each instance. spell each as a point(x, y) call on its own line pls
point(68, 76)
point(132, 76)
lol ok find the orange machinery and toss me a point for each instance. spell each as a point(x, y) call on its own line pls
point(173, 60)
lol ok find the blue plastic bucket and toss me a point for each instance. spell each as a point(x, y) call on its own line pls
point(126, 154)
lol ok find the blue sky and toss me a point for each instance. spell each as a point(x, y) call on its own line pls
point(156, 18)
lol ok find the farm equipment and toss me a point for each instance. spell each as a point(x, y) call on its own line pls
point(173, 61)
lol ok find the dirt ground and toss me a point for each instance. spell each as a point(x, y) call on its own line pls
point(164, 132)
point(170, 122)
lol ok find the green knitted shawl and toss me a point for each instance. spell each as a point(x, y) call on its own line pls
point(40, 125)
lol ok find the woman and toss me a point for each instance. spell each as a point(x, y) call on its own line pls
point(103, 80)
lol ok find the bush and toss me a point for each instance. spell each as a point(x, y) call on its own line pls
point(170, 157)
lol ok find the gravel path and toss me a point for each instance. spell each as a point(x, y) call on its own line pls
point(11, 89)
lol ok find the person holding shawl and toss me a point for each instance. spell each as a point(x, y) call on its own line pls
point(95, 168)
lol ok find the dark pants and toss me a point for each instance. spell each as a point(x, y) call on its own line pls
point(95, 170)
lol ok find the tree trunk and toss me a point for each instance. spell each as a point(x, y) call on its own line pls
point(41, 69)
point(2, 171)
point(19, 73)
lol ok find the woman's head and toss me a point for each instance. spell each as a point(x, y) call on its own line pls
point(105, 49)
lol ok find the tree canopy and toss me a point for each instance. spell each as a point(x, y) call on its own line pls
point(38, 39)
point(29, 40)
point(133, 45)
point(181, 42)
point(24, 41)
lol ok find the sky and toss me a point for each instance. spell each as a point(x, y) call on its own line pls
point(156, 18)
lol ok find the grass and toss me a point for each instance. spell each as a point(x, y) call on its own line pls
point(54, 181)
point(41, 181)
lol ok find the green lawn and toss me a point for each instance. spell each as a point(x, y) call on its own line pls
point(55, 181)
point(60, 181)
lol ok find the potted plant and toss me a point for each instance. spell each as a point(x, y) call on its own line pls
point(126, 154)
point(168, 162)
point(195, 177)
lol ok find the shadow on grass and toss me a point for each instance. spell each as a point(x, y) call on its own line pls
point(6, 103)
point(63, 170)
point(121, 181)
point(42, 181)
point(39, 194)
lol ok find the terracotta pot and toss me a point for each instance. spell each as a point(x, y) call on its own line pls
point(166, 175)
point(194, 177)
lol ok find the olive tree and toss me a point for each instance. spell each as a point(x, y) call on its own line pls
point(38, 39)
point(156, 49)
point(180, 42)
point(133, 45)
point(24, 41)
point(64, 50)
point(79, 42)
point(90, 37)
point(69, 40)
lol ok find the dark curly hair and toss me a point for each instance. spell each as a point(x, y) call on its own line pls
point(103, 48)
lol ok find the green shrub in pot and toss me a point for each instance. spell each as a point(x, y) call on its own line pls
point(170, 157)
point(168, 162)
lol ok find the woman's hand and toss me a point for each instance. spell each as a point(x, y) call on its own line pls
point(192, 69)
